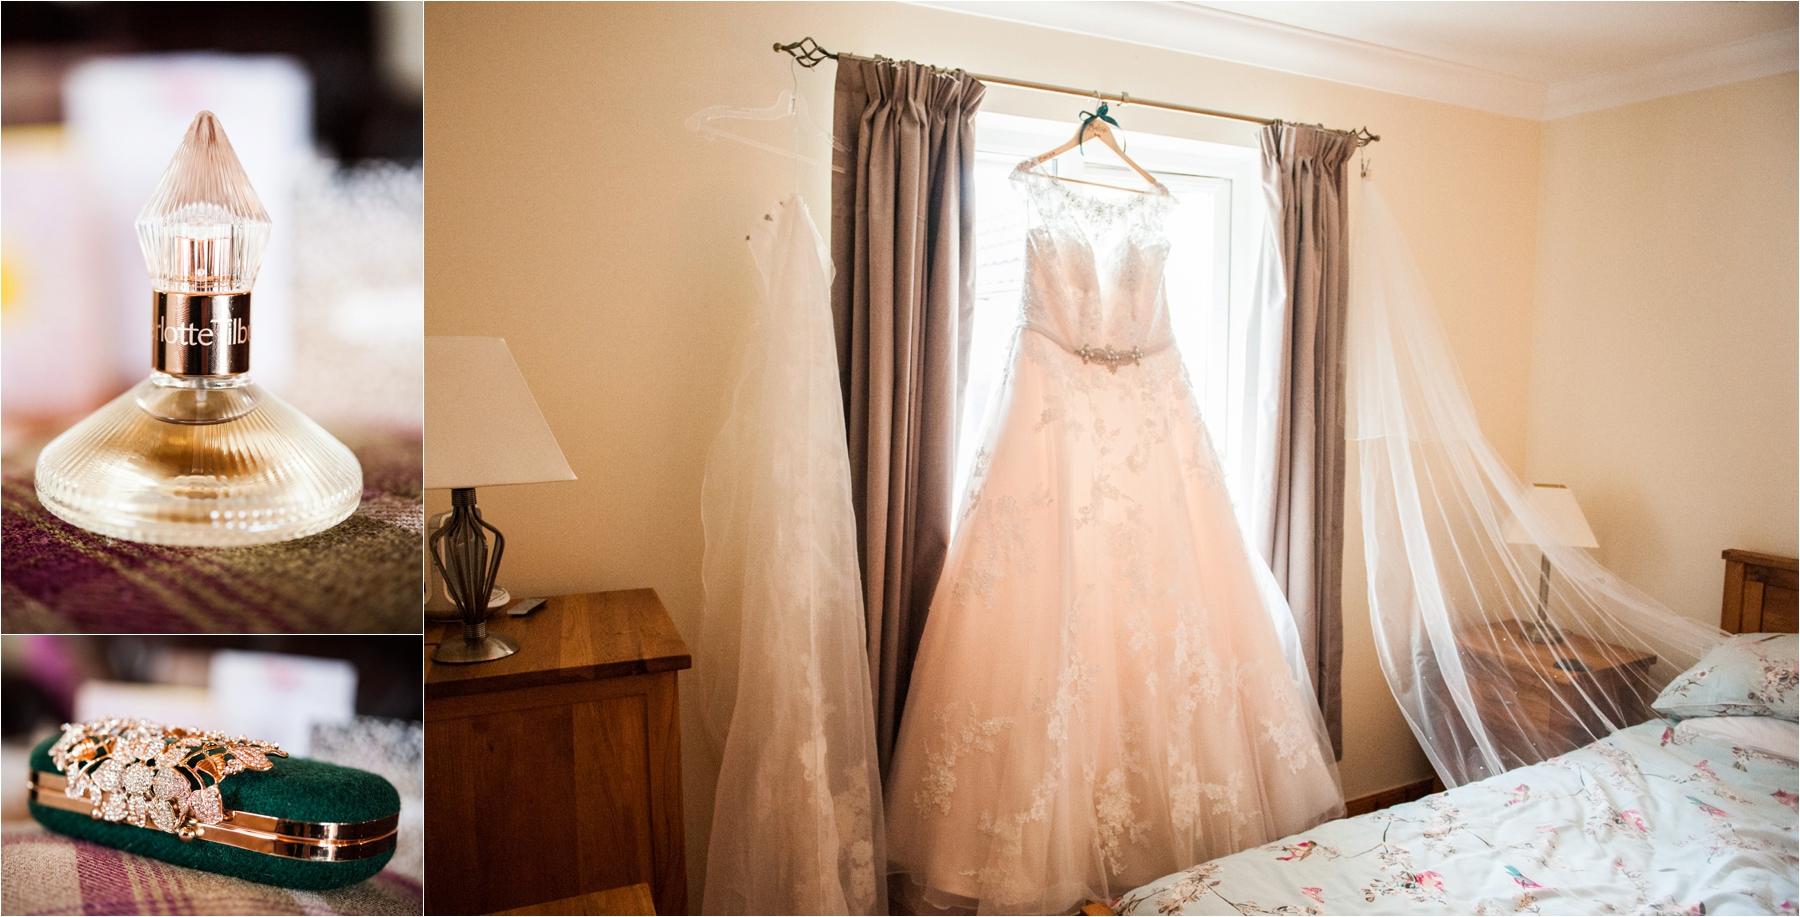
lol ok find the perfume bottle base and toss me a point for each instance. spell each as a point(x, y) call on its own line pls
point(225, 532)
point(267, 474)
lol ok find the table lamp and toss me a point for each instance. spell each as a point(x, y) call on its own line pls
point(482, 429)
point(1555, 504)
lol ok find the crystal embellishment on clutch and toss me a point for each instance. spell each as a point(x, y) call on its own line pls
point(151, 776)
point(198, 454)
point(194, 792)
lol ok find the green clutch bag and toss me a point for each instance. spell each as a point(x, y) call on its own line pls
point(205, 800)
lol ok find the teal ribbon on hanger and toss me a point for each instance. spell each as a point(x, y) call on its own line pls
point(1089, 117)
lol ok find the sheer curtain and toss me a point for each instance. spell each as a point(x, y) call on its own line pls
point(797, 818)
point(1500, 654)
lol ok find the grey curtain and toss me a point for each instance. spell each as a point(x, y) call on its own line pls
point(1307, 287)
point(903, 243)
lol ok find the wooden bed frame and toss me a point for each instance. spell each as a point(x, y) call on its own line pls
point(1760, 597)
point(1759, 593)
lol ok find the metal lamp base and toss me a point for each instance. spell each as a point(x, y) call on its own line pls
point(475, 645)
point(460, 554)
point(1543, 633)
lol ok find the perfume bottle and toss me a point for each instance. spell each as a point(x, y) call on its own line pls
point(197, 454)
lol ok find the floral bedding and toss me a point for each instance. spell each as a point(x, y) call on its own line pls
point(1647, 820)
point(1747, 675)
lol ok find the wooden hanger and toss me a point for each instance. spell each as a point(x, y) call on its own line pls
point(1099, 126)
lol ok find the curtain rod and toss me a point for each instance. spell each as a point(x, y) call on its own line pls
point(809, 54)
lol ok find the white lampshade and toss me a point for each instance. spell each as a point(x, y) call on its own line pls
point(1555, 504)
point(482, 427)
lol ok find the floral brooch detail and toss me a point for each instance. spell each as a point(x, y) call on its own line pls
point(153, 776)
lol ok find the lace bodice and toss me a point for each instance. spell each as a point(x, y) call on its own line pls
point(1094, 263)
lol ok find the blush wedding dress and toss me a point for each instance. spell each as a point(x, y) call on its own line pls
point(1109, 684)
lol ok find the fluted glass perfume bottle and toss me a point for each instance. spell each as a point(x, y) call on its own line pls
point(197, 454)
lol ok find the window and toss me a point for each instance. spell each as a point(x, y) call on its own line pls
point(1216, 232)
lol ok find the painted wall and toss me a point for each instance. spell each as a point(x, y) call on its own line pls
point(1663, 358)
point(570, 211)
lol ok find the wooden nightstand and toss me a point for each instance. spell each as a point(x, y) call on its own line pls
point(556, 772)
point(1604, 670)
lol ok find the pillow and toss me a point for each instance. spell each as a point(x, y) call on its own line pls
point(1765, 734)
point(1747, 675)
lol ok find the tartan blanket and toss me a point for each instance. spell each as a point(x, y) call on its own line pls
point(46, 873)
point(361, 576)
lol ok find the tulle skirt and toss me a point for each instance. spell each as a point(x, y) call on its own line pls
point(1106, 690)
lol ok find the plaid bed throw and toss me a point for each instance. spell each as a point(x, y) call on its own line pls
point(46, 873)
point(360, 577)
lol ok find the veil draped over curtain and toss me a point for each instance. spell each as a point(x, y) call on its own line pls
point(1503, 645)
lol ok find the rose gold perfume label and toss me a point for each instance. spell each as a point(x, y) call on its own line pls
point(201, 334)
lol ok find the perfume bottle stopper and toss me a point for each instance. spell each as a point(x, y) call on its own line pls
point(203, 234)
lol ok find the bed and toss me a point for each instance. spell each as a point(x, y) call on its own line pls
point(1651, 819)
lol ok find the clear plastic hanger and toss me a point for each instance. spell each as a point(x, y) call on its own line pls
point(705, 122)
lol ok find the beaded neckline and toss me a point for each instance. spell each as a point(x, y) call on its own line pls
point(1088, 203)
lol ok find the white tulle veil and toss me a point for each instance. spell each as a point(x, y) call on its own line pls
point(1503, 645)
point(797, 819)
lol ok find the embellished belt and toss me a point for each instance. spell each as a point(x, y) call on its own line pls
point(1107, 355)
point(167, 779)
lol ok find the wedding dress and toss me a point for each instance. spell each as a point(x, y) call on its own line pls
point(1108, 687)
point(784, 671)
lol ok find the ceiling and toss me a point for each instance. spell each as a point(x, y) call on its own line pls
point(1542, 42)
point(1529, 59)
